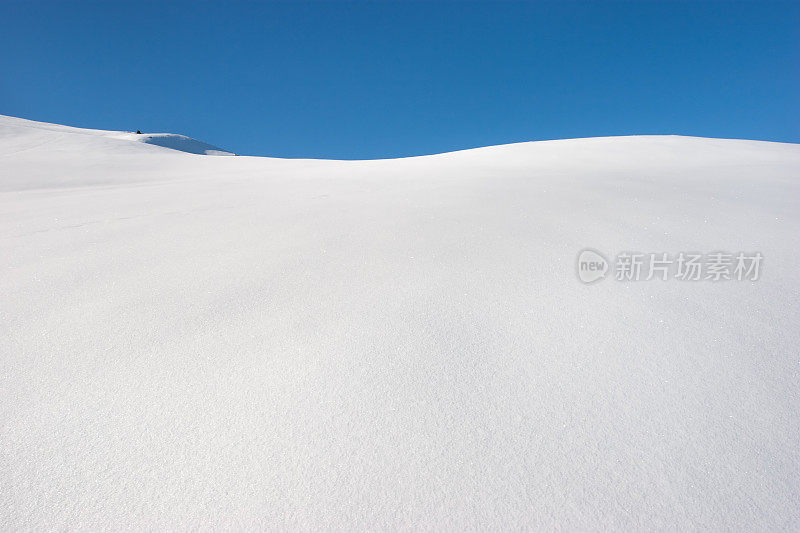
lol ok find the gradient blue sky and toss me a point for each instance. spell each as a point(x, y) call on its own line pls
point(388, 79)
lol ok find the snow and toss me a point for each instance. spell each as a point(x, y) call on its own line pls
point(20, 135)
point(239, 342)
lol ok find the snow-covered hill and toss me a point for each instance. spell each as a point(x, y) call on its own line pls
point(20, 135)
point(242, 342)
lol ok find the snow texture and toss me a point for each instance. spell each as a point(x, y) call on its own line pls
point(254, 343)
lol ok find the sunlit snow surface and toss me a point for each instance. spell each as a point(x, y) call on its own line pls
point(235, 342)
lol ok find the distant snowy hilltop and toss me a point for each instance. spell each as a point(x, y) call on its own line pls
point(21, 134)
point(259, 343)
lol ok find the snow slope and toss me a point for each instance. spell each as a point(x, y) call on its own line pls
point(20, 135)
point(190, 341)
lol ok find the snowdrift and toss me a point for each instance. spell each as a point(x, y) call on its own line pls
point(247, 342)
point(181, 143)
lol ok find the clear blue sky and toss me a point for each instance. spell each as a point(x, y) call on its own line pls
point(387, 79)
